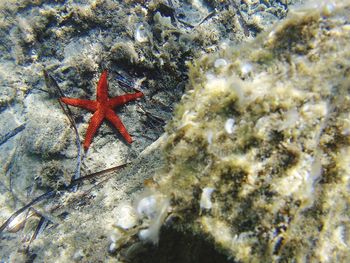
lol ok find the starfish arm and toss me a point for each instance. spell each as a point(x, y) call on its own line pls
point(102, 87)
point(85, 104)
point(120, 100)
point(94, 124)
point(117, 123)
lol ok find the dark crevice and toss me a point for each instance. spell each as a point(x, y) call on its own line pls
point(176, 247)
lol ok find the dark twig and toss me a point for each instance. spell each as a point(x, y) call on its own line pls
point(124, 81)
point(8, 169)
point(91, 176)
point(210, 15)
point(127, 82)
point(152, 116)
point(85, 193)
point(22, 209)
point(12, 133)
point(43, 222)
point(52, 193)
point(21, 201)
point(52, 85)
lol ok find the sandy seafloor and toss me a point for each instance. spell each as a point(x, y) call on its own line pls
point(151, 44)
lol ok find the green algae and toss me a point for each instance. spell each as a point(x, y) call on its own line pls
point(200, 153)
point(281, 177)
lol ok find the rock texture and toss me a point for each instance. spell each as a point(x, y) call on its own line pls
point(151, 43)
point(265, 127)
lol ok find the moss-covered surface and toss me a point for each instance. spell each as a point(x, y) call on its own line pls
point(280, 174)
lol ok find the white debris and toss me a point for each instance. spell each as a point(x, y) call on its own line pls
point(229, 125)
point(220, 62)
point(155, 208)
point(112, 248)
point(205, 202)
point(147, 206)
point(141, 33)
point(210, 137)
point(126, 217)
point(246, 68)
point(290, 119)
point(78, 255)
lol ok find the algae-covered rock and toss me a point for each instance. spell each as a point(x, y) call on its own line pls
point(258, 150)
point(256, 156)
point(149, 43)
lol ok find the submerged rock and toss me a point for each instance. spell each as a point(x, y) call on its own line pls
point(280, 176)
point(256, 156)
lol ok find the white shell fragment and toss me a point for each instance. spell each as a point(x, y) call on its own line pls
point(220, 62)
point(205, 202)
point(147, 206)
point(126, 217)
point(153, 208)
point(229, 125)
point(145, 234)
point(112, 248)
point(210, 136)
point(141, 34)
point(246, 68)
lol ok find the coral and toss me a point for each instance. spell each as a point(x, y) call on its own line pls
point(265, 138)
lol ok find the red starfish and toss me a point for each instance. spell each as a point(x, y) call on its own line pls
point(103, 109)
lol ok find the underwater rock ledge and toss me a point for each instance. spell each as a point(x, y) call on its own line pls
point(258, 153)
